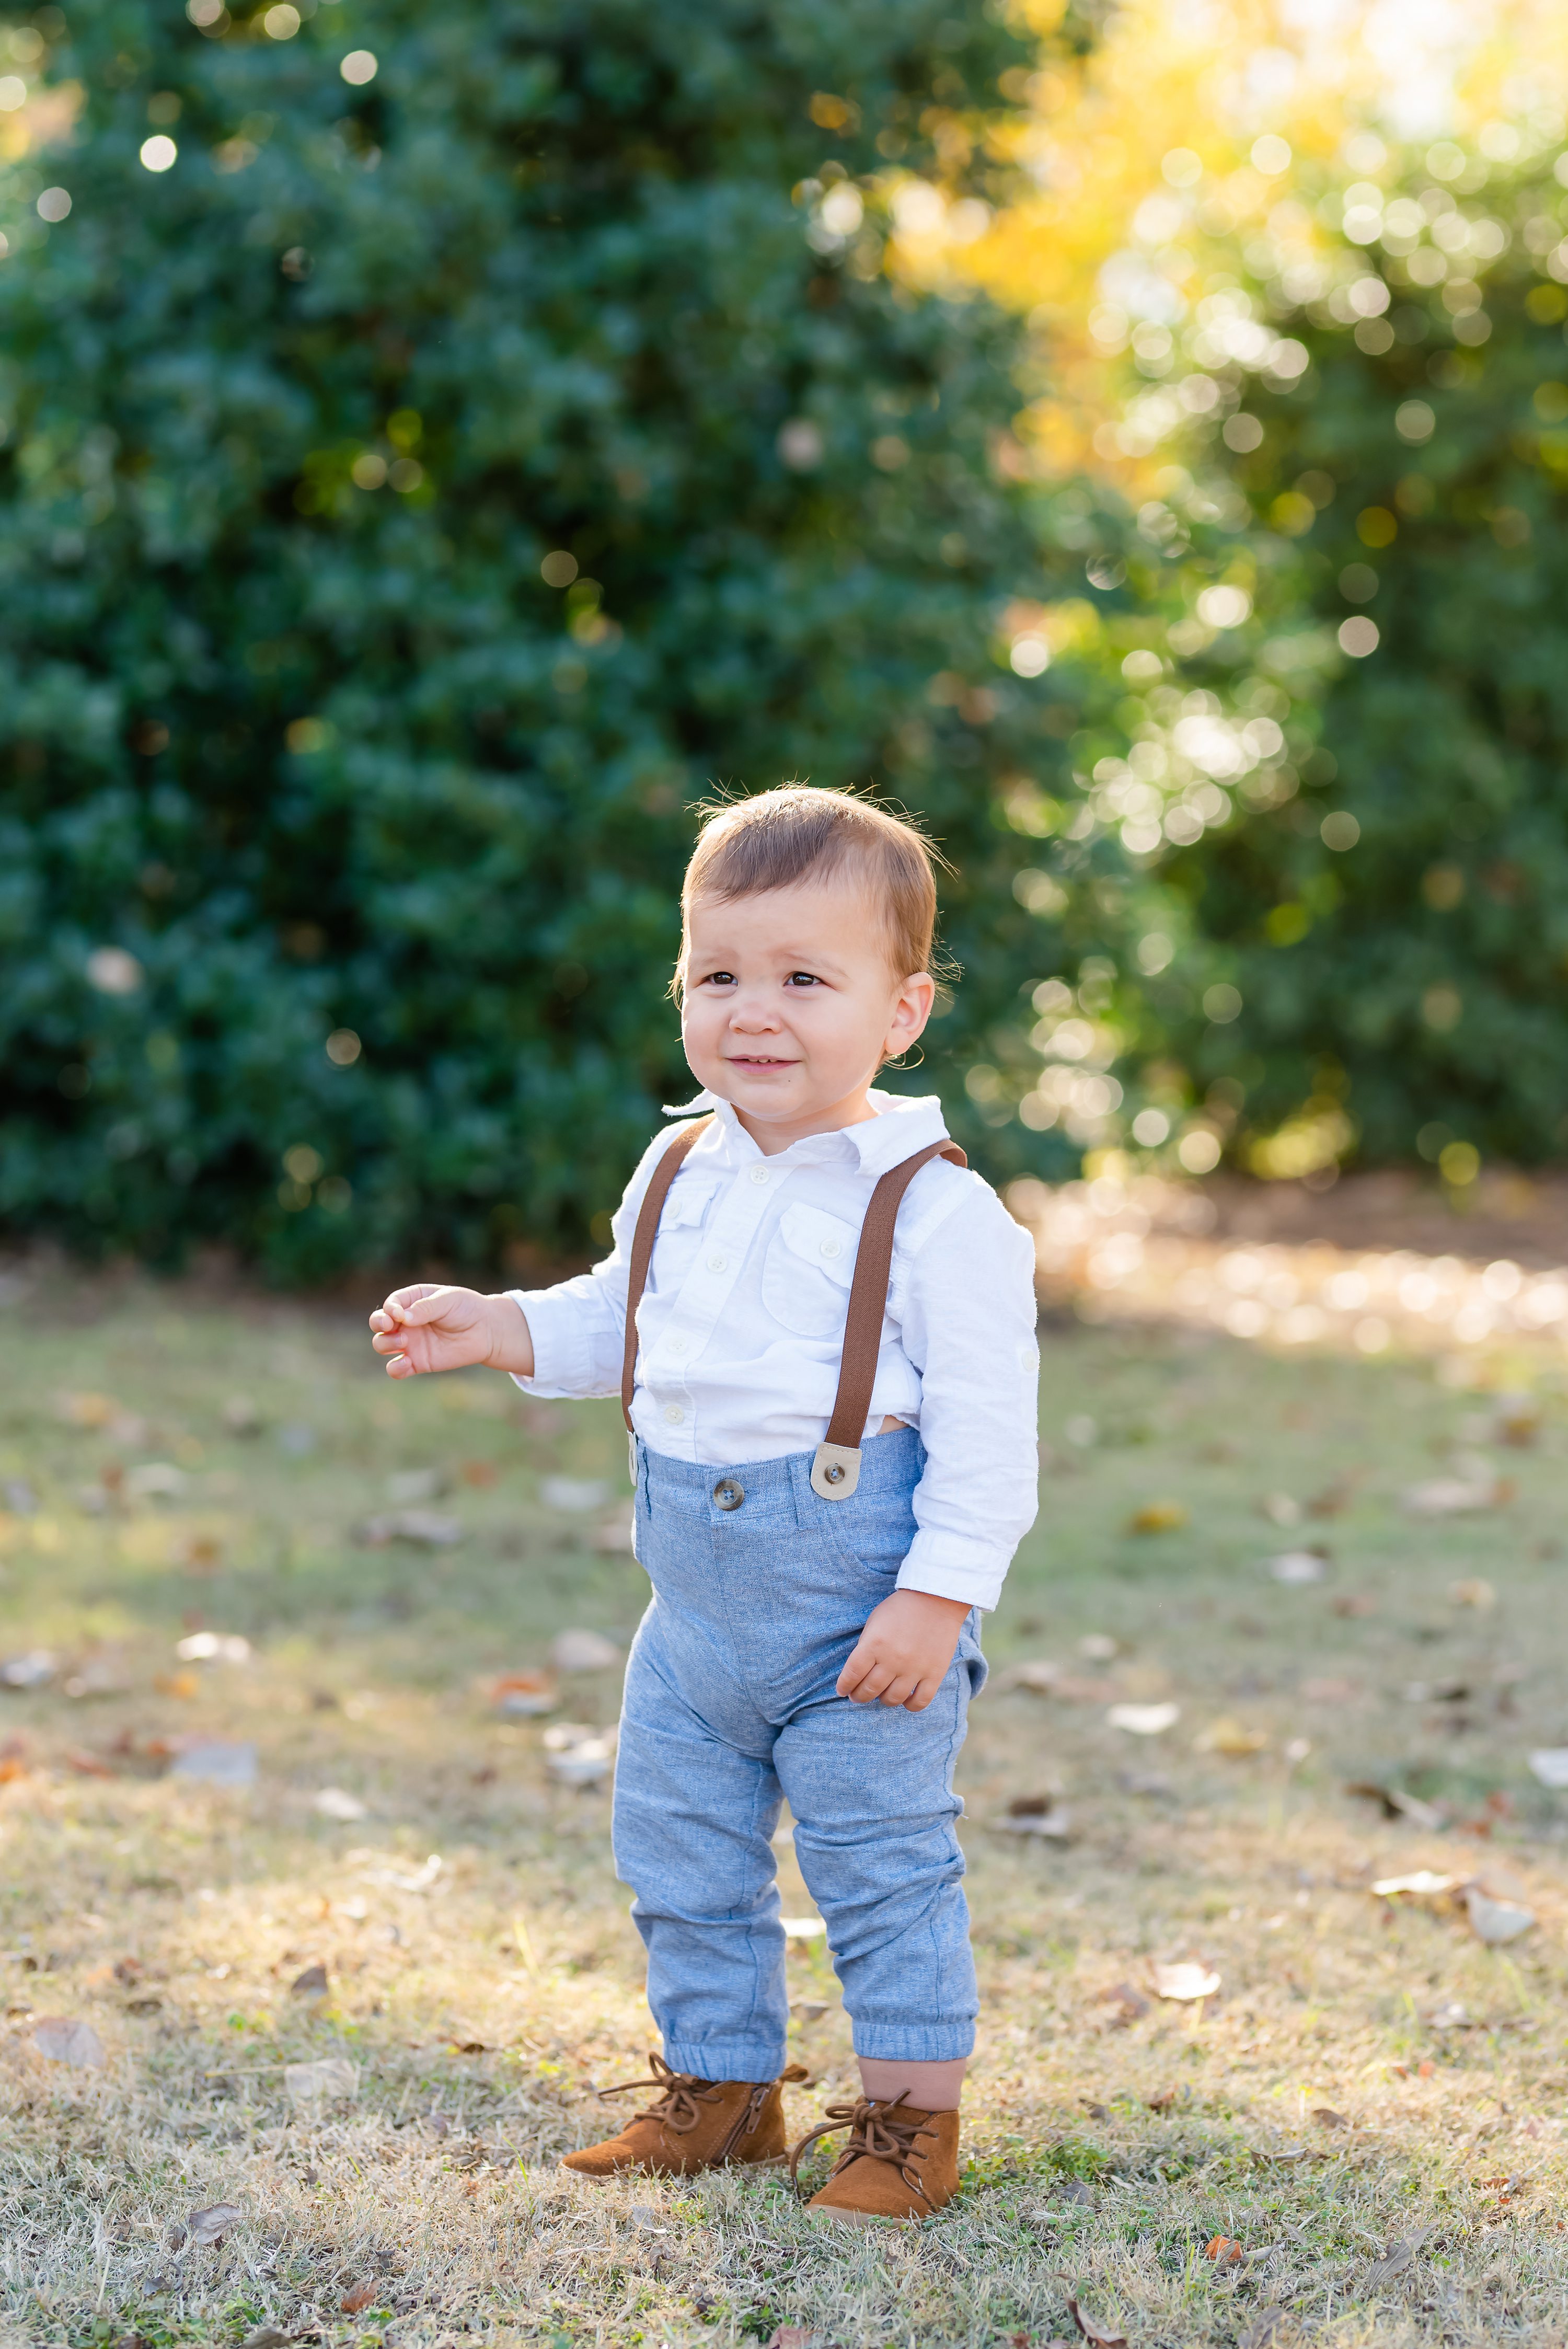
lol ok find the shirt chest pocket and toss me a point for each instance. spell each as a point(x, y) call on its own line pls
point(807, 1272)
point(680, 1230)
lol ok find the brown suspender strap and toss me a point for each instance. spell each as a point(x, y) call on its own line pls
point(643, 1239)
point(836, 1469)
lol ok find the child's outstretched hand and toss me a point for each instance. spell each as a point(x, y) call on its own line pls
point(431, 1327)
point(902, 1656)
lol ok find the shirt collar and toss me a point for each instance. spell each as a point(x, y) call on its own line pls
point(904, 1124)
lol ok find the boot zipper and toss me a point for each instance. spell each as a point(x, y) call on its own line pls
point(746, 2120)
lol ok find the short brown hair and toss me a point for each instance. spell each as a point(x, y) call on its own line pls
point(777, 838)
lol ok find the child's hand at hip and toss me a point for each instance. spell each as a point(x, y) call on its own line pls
point(431, 1327)
point(902, 1656)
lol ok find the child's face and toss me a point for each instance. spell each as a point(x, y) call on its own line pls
point(790, 1004)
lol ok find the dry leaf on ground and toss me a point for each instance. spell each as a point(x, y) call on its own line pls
point(577, 1755)
point(1326, 2118)
point(1143, 1720)
point(337, 1803)
point(214, 1648)
point(1453, 2014)
point(522, 1695)
point(1474, 1591)
point(330, 2076)
point(215, 1761)
point(1223, 2249)
point(1092, 2330)
point(1296, 1566)
point(1185, 1981)
point(312, 1983)
point(584, 1651)
point(1159, 1517)
point(1036, 1815)
point(1423, 1884)
point(1454, 1496)
point(1397, 1804)
point(790, 2336)
point(360, 2297)
point(422, 1529)
point(212, 2224)
point(1396, 2261)
point(62, 2040)
point(574, 1494)
point(1129, 2002)
point(1496, 1921)
point(1231, 1738)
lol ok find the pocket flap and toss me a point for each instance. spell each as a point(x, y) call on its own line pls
point(821, 1239)
point(690, 1197)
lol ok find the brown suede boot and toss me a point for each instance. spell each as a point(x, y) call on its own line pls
point(898, 2164)
point(693, 2124)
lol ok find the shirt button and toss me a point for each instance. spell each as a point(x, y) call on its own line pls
point(832, 1247)
point(719, 1264)
point(674, 1414)
point(677, 1345)
point(759, 1173)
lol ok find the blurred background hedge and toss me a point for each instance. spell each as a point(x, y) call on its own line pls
point(427, 473)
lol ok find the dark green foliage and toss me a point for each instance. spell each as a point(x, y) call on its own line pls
point(328, 757)
point(1415, 976)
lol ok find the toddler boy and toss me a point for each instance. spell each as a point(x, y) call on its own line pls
point(822, 1329)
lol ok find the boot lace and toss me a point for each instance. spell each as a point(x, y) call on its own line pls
point(681, 2094)
point(878, 2132)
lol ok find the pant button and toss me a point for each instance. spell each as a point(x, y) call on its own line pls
point(729, 1493)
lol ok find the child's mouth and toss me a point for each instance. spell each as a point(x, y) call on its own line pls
point(758, 1061)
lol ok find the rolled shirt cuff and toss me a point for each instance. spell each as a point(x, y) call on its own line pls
point(949, 1567)
point(563, 1357)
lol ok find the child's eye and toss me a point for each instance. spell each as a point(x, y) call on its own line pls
point(802, 978)
point(717, 978)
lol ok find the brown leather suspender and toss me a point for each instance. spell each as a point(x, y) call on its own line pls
point(836, 1468)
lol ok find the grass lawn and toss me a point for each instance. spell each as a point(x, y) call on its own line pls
point(1368, 2111)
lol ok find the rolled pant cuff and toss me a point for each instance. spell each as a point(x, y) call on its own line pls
point(899, 2042)
point(724, 2059)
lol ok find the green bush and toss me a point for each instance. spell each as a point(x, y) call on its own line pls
point(339, 848)
point(1369, 916)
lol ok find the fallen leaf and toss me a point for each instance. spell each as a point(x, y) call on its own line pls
point(1162, 2101)
point(88, 1765)
point(1185, 1981)
point(1223, 2249)
point(1099, 1647)
point(336, 1803)
point(1095, 2111)
point(584, 1651)
point(1281, 1510)
point(1549, 1764)
point(180, 1684)
point(1352, 1602)
point(1130, 2002)
point(330, 2076)
point(210, 2225)
point(1094, 2330)
point(216, 1762)
point(1452, 2015)
point(790, 2336)
point(1262, 2333)
point(1474, 1591)
point(1397, 1804)
point(1496, 1921)
point(1396, 2261)
point(1330, 1692)
point(1230, 1738)
point(1296, 1566)
point(312, 1983)
point(214, 1648)
point(1038, 1674)
point(479, 1472)
point(1157, 1518)
point(360, 2297)
point(1454, 1496)
point(422, 1529)
point(411, 1485)
point(577, 1755)
point(521, 1695)
point(1423, 1885)
point(61, 2040)
point(1036, 1815)
point(269, 2337)
point(1326, 2118)
point(574, 1494)
point(1143, 1720)
point(28, 1672)
point(87, 1410)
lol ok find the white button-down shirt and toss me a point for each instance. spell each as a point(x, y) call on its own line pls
point(742, 1321)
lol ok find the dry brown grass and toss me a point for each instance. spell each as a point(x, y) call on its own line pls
point(1109, 2144)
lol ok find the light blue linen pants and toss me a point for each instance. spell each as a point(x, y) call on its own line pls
point(730, 1706)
